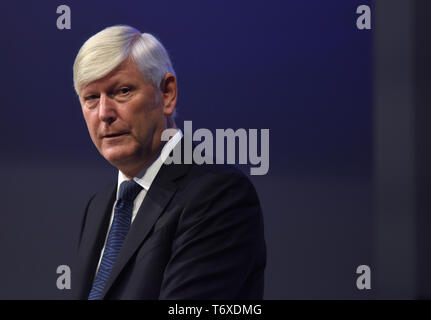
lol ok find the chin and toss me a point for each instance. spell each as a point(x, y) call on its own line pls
point(119, 157)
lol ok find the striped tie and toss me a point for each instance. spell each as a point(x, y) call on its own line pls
point(129, 189)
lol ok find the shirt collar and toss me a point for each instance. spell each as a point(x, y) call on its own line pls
point(146, 176)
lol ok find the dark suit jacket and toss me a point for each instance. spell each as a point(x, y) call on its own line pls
point(197, 235)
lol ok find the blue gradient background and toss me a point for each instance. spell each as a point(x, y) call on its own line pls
point(300, 68)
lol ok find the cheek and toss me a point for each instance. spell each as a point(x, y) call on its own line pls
point(91, 125)
point(144, 125)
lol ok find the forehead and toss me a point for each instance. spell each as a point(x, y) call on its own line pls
point(125, 71)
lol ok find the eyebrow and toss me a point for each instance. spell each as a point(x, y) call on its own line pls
point(89, 90)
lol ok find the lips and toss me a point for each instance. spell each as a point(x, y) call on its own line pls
point(114, 135)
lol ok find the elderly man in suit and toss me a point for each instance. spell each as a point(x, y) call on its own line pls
point(160, 231)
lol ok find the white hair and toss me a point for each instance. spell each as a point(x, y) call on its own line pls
point(104, 51)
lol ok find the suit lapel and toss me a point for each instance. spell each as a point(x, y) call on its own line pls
point(157, 198)
point(93, 237)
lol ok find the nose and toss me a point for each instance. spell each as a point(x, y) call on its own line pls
point(107, 111)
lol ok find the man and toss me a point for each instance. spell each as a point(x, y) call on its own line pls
point(177, 231)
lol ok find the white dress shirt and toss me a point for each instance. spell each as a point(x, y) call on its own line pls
point(144, 179)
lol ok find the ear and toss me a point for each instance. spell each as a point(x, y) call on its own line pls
point(169, 92)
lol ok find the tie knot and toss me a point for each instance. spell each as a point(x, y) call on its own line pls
point(129, 189)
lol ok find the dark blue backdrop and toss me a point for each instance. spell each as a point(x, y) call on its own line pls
point(300, 68)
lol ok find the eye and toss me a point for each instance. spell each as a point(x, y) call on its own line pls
point(124, 91)
point(90, 97)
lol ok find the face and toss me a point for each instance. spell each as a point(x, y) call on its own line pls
point(125, 116)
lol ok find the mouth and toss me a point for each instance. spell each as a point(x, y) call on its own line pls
point(115, 135)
